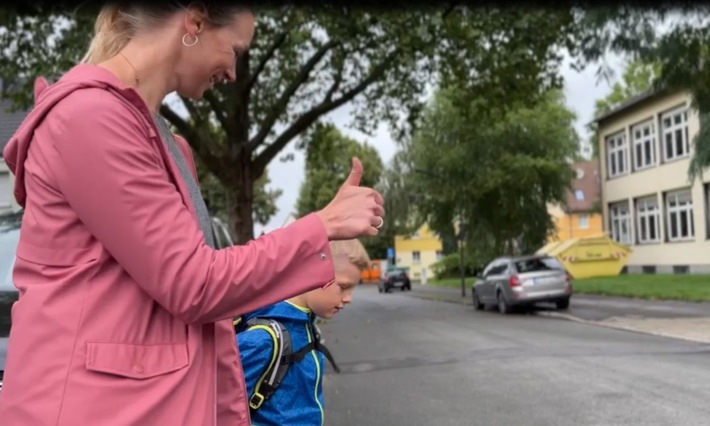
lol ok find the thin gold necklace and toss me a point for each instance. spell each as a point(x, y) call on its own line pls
point(135, 73)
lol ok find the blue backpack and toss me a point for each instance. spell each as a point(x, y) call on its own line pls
point(282, 355)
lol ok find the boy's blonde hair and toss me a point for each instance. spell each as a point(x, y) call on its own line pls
point(351, 250)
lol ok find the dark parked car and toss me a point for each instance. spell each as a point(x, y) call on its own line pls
point(518, 281)
point(9, 237)
point(395, 278)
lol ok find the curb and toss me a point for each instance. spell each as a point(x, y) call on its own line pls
point(436, 298)
point(569, 317)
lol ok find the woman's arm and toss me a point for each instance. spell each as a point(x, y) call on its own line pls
point(111, 174)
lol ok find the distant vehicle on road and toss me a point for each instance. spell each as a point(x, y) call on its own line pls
point(510, 282)
point(396, 277)
point(373, 274)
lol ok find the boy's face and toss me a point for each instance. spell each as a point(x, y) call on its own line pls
point(327, 302)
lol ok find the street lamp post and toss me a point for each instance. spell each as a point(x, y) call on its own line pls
point(462, 238)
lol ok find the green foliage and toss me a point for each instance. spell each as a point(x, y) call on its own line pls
point(217, 200)
point(328, 164)
point(682, 51)
point(306, 62)
point(328, 154)
point(638, 78)
point(497, 172)
point(450, 266)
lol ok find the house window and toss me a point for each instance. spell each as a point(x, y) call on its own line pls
point(644, 145)
point(648, 218)
point(679, 216)
point(5, 189)
point(620, 222)
point(674, 134)
point(439, 255)
point(416, 257)
point(579, 195)
point(617, 157)
point(583, 221)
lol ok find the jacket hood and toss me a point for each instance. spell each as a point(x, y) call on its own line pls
point(46, 96)
point(282, 311)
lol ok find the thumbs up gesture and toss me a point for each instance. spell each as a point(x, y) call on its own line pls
point(355, 210)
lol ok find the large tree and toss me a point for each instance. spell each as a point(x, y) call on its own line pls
point(306, 62)
point(496, 173)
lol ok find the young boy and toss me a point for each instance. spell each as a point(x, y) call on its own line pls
point(298, 399)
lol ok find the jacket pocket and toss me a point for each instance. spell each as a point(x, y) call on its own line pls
point(135, 361)
point(66, 256)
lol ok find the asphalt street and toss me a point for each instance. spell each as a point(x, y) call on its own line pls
point(413, 361)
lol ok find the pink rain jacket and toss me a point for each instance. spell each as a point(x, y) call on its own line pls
point(124, 315)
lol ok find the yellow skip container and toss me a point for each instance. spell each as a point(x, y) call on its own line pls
point(587, 257)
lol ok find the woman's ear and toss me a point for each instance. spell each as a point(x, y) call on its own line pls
point(195, 18)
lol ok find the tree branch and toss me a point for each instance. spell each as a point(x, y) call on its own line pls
point(338, 78)
point(308, 118)
point(218, 108)
point(264, 59)
point(207, 143)
point(280, 105)
point(193, 138)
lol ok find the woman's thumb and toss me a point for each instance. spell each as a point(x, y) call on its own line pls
point(355, 174)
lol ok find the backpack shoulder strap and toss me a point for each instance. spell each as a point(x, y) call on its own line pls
point(316, 344)
point(278, 365)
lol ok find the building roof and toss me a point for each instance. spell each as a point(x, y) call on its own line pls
point(585, 188)
point(9, 120)
point(629, 103)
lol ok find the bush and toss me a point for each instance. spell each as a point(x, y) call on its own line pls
point(448, 267)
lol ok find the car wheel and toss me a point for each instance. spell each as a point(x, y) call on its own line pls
point(477, 302)
point(503, 306)
point(562, 304)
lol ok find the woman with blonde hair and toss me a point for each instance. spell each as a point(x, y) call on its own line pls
point(125, 307)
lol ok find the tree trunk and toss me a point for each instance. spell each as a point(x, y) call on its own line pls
point(240, 203)
point(240, 186)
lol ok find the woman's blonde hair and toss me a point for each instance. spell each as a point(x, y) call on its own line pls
point(118, 22)
point(351, 250)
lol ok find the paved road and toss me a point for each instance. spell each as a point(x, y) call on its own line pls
point(593, 308)
point(410, 361)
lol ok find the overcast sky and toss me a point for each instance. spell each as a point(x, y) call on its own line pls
point(581, 91)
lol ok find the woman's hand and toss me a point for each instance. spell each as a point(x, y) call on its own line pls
point(354, 211)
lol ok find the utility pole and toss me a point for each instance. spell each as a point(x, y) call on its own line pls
point(461, 237)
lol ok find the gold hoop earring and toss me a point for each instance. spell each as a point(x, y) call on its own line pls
point(184, 42)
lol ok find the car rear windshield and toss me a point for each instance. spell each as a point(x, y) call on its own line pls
point(538, 264)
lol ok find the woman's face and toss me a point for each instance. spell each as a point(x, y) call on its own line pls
point(213, 58)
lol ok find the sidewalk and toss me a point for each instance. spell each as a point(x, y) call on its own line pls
point(675, 319)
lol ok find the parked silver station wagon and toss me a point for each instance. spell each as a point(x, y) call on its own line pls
point(518, 281)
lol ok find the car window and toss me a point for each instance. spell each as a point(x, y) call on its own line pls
point(488, 268)
point(538, 264)
point(500, 268)
point(9, 237)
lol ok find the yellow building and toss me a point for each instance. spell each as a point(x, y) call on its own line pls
point(418, 252)
point(645, 146)
point(576, 217)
